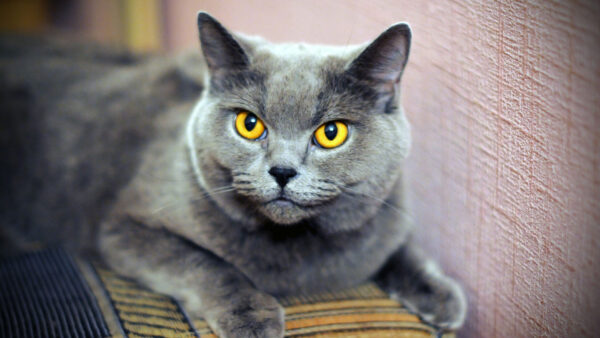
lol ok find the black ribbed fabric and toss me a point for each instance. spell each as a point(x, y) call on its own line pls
point(43, 295)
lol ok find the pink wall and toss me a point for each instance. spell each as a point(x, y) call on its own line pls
point(505, 177)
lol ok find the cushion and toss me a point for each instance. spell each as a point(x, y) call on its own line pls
point(51, 293)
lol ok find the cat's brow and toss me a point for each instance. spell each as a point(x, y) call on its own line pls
point(223, 83)
point(334, 115)
point(318, 117)
point(346, 98)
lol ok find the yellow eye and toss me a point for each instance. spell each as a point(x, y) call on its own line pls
point(331, 134)
point(249, 126)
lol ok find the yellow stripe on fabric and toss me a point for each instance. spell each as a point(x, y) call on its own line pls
point(210, 335)
point(362, 326)
point(149, 311)
point(106, 272)
point(377, 333)
point(166, 304)
point(155, 331)
point(200, 324)
point(132, 302)
point(168, 323)
point(175, 335)
point(111, 278)
point(115, 281)
point(202, 327)
point(366, 291)
point(363, 303)
point(358, 331)
point(135, 292)
point(367, 333)
point(399, 327)
point(322, 313)
point(354, 318)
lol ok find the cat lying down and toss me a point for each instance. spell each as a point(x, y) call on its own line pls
point(284, 179)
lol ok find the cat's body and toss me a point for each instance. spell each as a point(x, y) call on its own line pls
point(75, 120)
point(225, 222)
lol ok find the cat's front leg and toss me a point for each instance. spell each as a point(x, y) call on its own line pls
point(420, 285)
point(208, 286)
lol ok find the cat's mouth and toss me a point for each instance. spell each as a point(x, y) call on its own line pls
point(285, 201)
point(284, 210)
point(282, 201)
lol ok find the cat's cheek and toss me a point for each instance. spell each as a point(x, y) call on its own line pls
point(348, 163)
point(234, 151)
point(245, 157)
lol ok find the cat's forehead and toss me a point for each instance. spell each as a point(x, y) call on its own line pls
point(295, 78)
point(290, 57)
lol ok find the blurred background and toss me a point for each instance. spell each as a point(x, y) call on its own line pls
point(165, 25)
point(504, 101)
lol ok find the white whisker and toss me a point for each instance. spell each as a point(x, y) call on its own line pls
point(357, 194)
point(198, 198)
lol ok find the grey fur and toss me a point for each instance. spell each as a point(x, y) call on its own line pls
point(206, 229)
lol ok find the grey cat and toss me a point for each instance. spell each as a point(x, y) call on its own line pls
point(285, 179)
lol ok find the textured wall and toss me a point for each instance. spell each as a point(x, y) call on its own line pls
point(505, 177)
point(505, 102)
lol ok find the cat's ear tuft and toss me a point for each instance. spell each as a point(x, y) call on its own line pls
point(221, 50)
point(383, 61)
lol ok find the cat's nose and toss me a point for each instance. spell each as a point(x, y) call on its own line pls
point(282, 175)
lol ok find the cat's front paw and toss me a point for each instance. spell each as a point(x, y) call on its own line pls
point(439, 301)
point(252, 314)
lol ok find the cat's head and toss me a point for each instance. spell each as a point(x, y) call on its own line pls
point(294, 133)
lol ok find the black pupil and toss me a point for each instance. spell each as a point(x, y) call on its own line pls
point(331, 131)
point(250, 122)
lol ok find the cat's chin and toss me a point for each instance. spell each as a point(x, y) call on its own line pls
point(284, 211)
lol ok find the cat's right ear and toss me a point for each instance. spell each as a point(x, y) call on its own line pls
point(383, 60)
point(220, 49)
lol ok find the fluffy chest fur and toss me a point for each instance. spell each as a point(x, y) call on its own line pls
point(300, 258)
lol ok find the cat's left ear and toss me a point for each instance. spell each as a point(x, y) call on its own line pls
point(221, 50)
point(383, 61)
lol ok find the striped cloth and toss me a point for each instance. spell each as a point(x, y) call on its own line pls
point(50, 294)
